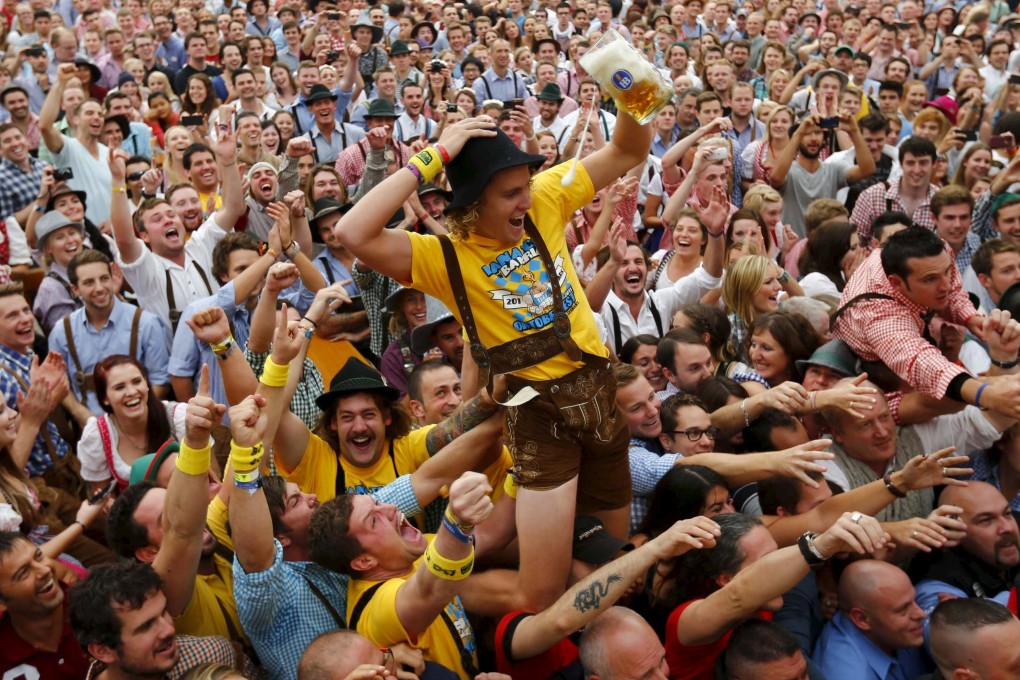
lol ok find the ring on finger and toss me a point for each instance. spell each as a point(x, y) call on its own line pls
point(856, 517)
point(851, 403)
point(913, 534)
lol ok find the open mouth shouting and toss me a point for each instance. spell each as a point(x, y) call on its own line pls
point(407, 531)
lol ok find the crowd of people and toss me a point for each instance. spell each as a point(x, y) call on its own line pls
point(344, 340)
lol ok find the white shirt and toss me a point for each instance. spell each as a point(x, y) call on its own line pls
point(147, 274)
point(686, 291)
point(606, 120)
point(557, 127)
point(91, 175)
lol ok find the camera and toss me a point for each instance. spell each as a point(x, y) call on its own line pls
point(437, 65)
point(830, 123)
point(332, 55)
point(333, 16)
point(451, 108)
point(188, 121)
point(63, 174)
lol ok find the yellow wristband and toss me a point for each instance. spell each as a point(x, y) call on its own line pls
point(244, 458)
point(223, 345)
point(194, 461)
point(510, 486)
point(429, 164)
point(273, 374)
point(447, 569)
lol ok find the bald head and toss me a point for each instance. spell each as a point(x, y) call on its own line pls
point(878, 598)
point(992, 533)
point(619, 643)
point(334, 655)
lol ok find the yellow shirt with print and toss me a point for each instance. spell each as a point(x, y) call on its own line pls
point(379, 623)
point(212, 609)
point(508, 288)
point(316, 473)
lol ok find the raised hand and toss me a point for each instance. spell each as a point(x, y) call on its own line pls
point(469, 498)
point(211, 325)
point(281, 215)
point(934, 469)
point(800, 460)
point(378, 138)
point(35, 406)
point(203, 414)
point(695, 533)
point(850, 396)
point(66, 72)
point(715, 214)
point(151, 180)
point(854, 532)
point(118, 165)
point(617, 242)
point(298, 147)
point(328, 299)
point(88, 513)
point(916, 533)
point(280, 277)
point(248, 420)
point(287, 340)
point(456, 136)
point(789, 397)
point(296, 200)
point(948, 518)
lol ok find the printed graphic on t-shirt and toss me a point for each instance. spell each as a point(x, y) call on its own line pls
point(455, 611)
point(523, 286)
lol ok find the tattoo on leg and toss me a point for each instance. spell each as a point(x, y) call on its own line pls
point(591, 597)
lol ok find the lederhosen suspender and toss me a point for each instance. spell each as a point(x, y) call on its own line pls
point(528, 350)
point(926, 317)
point(618, 335)
point(62, 282)
point(85, 381)
point(175, 314)
point(467, 661)
point(339, 620)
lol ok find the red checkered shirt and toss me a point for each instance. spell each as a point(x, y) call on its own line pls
point(891, 330)
point(351, 161)
point(878, 199)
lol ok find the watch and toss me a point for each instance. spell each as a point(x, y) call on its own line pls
point(806, 543)
point(292, 250)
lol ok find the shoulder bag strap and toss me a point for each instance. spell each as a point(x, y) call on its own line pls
point(359, 608)
point(661, 268)
point(340, 623)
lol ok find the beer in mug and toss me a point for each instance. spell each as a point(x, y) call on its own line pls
point(635, 85)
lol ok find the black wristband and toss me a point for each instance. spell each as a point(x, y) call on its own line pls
point(892, 487)
point(955, 389)
point(1005, 364)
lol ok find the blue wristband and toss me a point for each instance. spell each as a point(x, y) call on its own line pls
point(977, 397)
point(456, 532)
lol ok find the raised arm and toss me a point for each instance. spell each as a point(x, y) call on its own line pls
point(865, 161)
point(263, 321)
point(187, 500)
point(363, 230)
point(424, 596)
point(628, 147)
point(785, 160)
point(225, 149)
point(251, 525)
point(601, 589)
point(752, 467)
point(705, 621)
point(128, 244)
point(51, 108)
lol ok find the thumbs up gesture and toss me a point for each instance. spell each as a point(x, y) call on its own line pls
point(203, 414)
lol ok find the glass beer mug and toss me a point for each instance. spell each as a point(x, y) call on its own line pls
point(633, 82)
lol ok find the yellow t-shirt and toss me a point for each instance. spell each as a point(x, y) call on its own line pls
point(218, 201)
point(508, 288)
point(316, 473)
point(379, 623)
point(217, 519)
point(212, 610)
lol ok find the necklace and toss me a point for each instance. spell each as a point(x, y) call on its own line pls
point(128, 437)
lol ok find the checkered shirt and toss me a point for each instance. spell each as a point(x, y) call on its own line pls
point(891, 330)
point(280, 611)
point(878, 199)
point(39, 460)
point(646, 469)
point(19, 188)
point(351, 162)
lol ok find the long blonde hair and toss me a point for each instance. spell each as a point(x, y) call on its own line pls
point(743, 281)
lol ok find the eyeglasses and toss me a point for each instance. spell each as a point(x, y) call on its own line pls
point(694, 434)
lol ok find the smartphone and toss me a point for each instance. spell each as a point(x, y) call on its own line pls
point(940, 91)
point(904, 25)
point(999, 142)
point(830, 123)
point(332, 55)
point(63, 174)
point(967, 135)
point(1014, 78)
point(104, 492)
point(517, 102)
point(189, 121)
point(718, 154)
point(451, 108)
point(333, 16)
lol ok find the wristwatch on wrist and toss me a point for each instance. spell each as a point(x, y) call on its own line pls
point(784, 277)
point(1005, 364)
point(806, 543)
point(292, 250)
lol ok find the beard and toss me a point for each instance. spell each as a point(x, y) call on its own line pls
point(809, 154)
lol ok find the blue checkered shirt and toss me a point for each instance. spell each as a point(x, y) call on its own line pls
point(39, 460)
point(646, 469)
point(280, 611)
point(986, 471)
point(19, 187)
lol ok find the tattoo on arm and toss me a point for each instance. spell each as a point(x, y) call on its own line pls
point(591, 597)
point(468, 417)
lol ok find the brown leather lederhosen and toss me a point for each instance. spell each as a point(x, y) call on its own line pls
point(519, 353)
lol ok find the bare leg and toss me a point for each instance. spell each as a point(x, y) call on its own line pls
point(545, 528)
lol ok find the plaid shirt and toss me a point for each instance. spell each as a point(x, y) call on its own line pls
point(39, 460)
point(351, 163)
point(970, 246)
point(891, 330)
point(280, 611)
point(302, 404)
point(880, 198)
point(986, 471)
point(981, 218)
point(19, 187)
point(375, 288)
point(646, 469)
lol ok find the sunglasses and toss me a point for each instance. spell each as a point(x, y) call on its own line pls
point(135, 176)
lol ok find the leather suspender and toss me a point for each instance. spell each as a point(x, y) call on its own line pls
point(175, 314)
point(86, 381)
point(618, 334)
